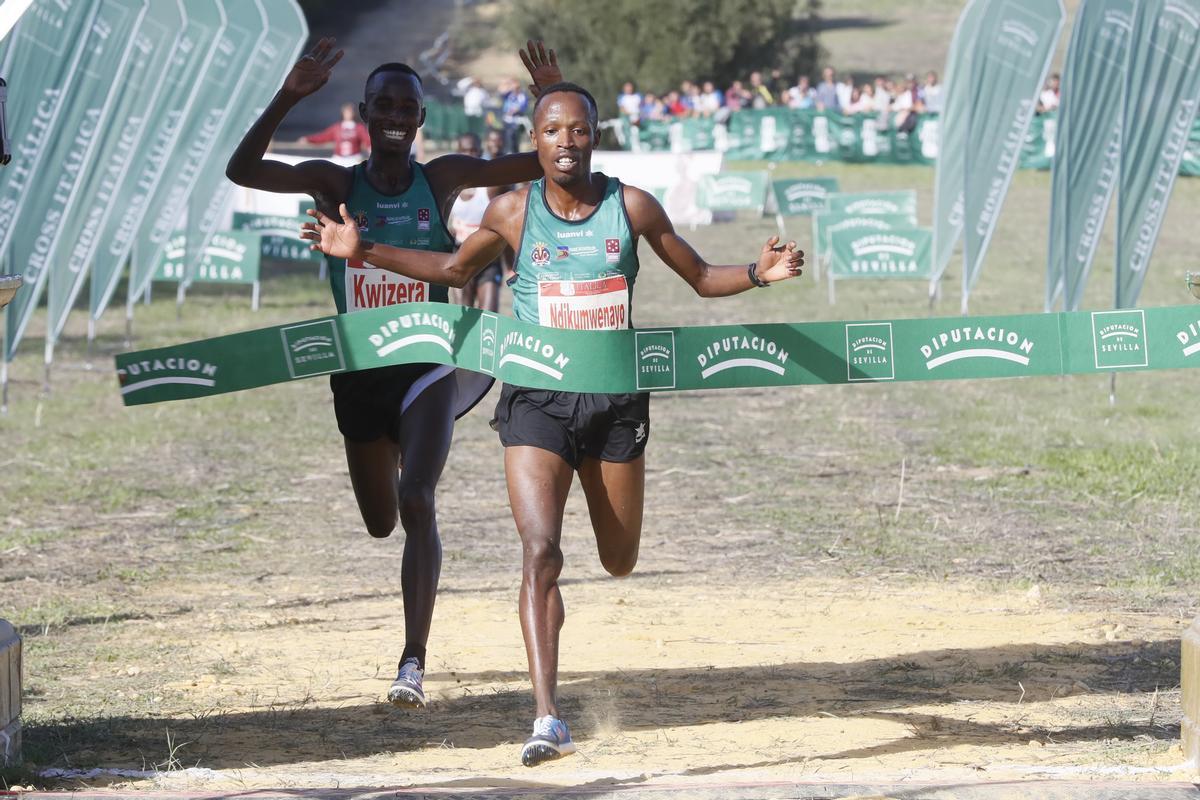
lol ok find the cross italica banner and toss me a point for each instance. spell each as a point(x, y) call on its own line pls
point(668, 359)
point(191, 56)
point(1088, 145)
point(80, 125)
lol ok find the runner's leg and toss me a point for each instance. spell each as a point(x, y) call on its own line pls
point(425, 433)
point(538, 484)
point(374, 475)
point(615, 496)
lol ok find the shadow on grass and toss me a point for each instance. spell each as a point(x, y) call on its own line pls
point(646, 699)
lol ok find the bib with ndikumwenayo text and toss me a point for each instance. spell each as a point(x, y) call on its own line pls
point(601, 304)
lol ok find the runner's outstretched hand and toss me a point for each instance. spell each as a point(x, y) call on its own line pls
point(333, 238)
point(542, 66)
point(312, 71)
point(778, 263)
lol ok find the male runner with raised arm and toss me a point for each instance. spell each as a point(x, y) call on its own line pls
point(548, 436)
point(402, 414)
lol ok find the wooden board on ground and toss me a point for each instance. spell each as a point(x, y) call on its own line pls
point(10, 695)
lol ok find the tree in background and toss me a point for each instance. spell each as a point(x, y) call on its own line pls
point(657, 45)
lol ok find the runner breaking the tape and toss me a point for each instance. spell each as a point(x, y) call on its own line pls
point(575, 233)
point(398, 414)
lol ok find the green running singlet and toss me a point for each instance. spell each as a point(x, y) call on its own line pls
point(410, 219)
point(576, 274)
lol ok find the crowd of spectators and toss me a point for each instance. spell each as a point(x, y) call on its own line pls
point(506, 108)
point(895, 101)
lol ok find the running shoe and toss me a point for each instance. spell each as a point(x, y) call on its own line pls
point(550, 740)
point(406, 691)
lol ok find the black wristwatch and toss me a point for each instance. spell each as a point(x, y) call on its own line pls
point(752, 272)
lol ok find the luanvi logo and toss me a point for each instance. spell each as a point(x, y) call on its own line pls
point(487, 343)
point(413, 328)
point(1119, 338)
point(655, 359)
point(527, 350)
point(976, 341)
point(869, 352)
point(313, 348)
point(740, 350)
point(177, 370)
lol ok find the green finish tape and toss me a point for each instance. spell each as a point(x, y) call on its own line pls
point(669, 359)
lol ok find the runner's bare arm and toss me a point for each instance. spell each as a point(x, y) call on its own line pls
point(774, 263)
point(342, 240)
point(248, 167)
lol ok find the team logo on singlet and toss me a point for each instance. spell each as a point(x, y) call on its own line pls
point(540, 254)
point(612, 251)
point(423, 218)
point(360, 219)
point(563, 252)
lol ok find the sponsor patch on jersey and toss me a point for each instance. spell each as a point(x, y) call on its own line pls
point(563, 252)
point(612, 251)
point(423, 218)
point(540, 254)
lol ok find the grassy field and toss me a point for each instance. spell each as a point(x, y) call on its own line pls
point(136, 545)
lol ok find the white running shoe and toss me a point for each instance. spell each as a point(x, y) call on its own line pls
point(406, 691)
point(550, 740)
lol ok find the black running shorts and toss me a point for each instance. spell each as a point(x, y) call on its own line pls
point(368, 403)
point(608, 427)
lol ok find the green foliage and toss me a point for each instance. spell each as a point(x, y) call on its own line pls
point(658, 45)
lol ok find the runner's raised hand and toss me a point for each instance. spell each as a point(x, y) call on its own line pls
point(542, 66)
point(778, 263)
point(333, 238)
point(312, 71)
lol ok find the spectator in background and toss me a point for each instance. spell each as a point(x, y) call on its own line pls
point(845, 92)
point(883, 99)
point(801, 96)
point(711, 100)
point(778, 85)
point(652, 108)
point(493, 144)
point(862, 101)
point(736, 97)
point(475, 97)
point(513, 105)
point(827, 95)
point(674, 106)
point(931, 94)
point(760, 95)
point(1049, 98)
point(349, 138)
point(629, 102)
point(692, 99)
point(906, 106)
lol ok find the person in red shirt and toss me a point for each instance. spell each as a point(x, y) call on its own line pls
point(349, 137)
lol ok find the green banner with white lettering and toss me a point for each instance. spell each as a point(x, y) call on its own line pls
point(1088, 144)
point(275, 53)
point(733, 191)
point(68, 157)
point(668, 359)
point(230, 257)
point(278, 235)
point(898, 202)
point(1013, 50)
point(952, 139)
point(1161, 94)
point(829, 223)
point(897, 253)
point(803, 197)
point(115, 156)
point(191, 55)
point(45, 49)
point(219, 89)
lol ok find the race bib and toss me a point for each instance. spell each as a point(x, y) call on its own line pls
point(601, 304)
point(368, 286)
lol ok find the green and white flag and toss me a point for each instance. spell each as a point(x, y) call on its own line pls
point(1161, 94)
point(191, 57)
point(220, 88)
point(1012, 56)
point(273, 58)
point(733, 191)
point(859, 203)
point(952, 139)
point(114, 158)
point(802, 197)
point(45, 50)
point(1088, 145)
point(901, 252)
point(827, 224)
point(68, 156)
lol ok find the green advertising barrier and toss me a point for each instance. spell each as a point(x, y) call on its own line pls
point(801, 197)
point(828, 223)
point(733, 191)
point(279, 235)
point(900, 202)
point(668, 359)
point(230, 257)
point(896, 253)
